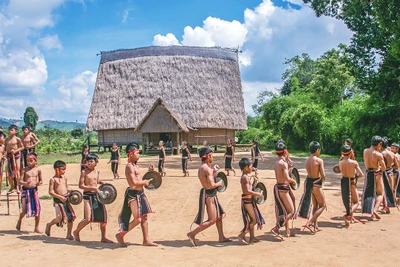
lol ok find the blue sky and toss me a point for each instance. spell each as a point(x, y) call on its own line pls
point(48, 47)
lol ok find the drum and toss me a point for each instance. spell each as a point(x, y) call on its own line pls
point(75, 197)
point(221, 176)
point(107, 194)
point(154, 178)
point(294, 174)
point(260, 187)
point(336, 169)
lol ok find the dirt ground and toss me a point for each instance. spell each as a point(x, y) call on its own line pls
point(175, 204)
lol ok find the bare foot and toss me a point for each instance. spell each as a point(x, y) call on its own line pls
point(275, 231)
point(18, 226)
point(309, 228)
point(38, 231)
point(106, 240)
point(289, 233)
point(69, 237)
point(376, 216)
point(47, 231)
point(192, 240)
point(76, 236)
point(242, 238)
point(120, 240)
point(346, 221)
point(224, 240)
point(387, 210)
point(150, 244)
point(254, 240)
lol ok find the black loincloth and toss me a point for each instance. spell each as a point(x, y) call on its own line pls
point(202, 204)
point(389, 196)
point(67, 212)
point(345, 185)
point(306, 200)
point(369, 192)
point(126, 213)
point(396, 174)
point(98, 211)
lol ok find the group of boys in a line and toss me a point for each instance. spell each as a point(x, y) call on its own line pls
point(379, 161)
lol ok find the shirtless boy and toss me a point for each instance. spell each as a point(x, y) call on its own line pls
point(13, 148)
point(395, 149)
point(348, 183)
point(208, 198)
point(250, 212)
point(30, 141)
point(373, 189)
point(31, 178)
point(391, 162)
point(93, 210)
point(58, 189)
point(284, 198)
point(135, 201)
point(2, 156)
point(313, 188)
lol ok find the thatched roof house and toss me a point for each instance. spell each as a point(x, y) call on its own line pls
point(171, 93)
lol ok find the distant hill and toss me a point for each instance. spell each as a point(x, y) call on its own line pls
point(61, 125)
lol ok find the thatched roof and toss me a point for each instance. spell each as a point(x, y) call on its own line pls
point(200, 85)
point(161, 118)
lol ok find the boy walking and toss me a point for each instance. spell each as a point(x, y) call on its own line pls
point(32, 177)
point(94, 211)
point(135, 201)
point(250, 213)
point(58, 189)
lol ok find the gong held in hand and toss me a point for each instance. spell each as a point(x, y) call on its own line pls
point(107, 194)
point(260, 188)
point(221, 176)
point(75, 197)
point(154, 178)
point(294, 174)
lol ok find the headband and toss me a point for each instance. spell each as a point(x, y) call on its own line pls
point(130, 153)
point(58, 170)
point(31, 156)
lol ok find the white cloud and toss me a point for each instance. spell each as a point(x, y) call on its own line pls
point(79, 89)
point(225, 33)
point(22, 72)
point(268, 36)
point(215, 32)
point(196, 37)
point(32, 13)
point(50, 42)
point(72, 103)
point(23, 66)
point(257, 20)
point(125, 16)
point(296, 2)
point(169, 39)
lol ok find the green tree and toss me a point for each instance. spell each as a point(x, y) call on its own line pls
point(298, 74)
point(76, 133)
point(375, 55)
point(31, 117)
